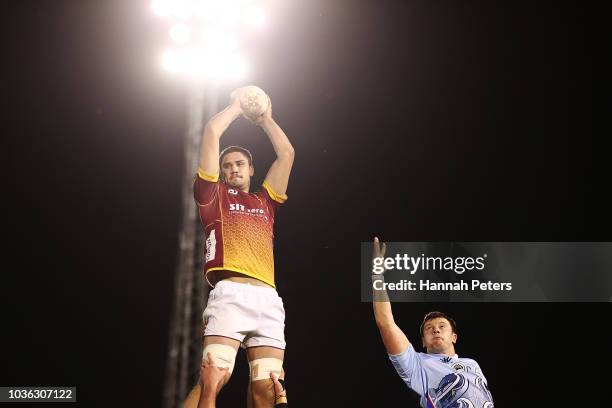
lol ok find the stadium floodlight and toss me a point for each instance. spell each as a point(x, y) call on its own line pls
point(210, 10)
point(181, 9)
point(226, 14)
point(180, 33)
point(254, 16)
point(169, 61)
point(197, 63)
point(215, 39)
point(204, 36)
point(161, 8)
point(229, 66)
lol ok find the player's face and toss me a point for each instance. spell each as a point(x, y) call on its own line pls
point(438, 336)
point(236, 170)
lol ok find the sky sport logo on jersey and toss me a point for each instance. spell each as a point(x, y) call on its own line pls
point(242, 208)
point(427, 263)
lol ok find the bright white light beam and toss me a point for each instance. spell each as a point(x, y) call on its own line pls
point(180, 33)
point(254, 16)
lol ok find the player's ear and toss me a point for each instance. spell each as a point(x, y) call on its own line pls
point(454, 338)
point(251, 171)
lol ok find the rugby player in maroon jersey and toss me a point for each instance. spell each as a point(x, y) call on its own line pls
point(243, 306)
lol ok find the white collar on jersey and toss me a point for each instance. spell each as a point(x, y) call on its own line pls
point(440, 354)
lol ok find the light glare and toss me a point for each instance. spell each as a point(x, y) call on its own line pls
point(182, 9)
point(197, 63)
point(254, 16)
point(169, 61)
point(204, 38)
point(228, 14)
point(219, 40)
point(229, 66)
point(180, 33)
point(161, 8)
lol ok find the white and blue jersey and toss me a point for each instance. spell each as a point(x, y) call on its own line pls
point(443, 381)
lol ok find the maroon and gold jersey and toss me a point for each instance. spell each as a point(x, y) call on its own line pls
point(238, 227)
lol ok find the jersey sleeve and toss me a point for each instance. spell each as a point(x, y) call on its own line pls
point(273, 199)
point(410, 369)
point(205, 187)
point(481, 381)
point(475, 366)
point(479, 371)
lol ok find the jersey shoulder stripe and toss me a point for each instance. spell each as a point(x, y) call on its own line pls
point(213, 178)
point(279, 198)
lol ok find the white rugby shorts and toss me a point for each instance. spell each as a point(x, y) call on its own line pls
point(253, 315)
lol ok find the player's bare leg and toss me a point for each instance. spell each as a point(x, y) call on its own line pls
point(262, 390)
point(249, 396)
point(194, 396)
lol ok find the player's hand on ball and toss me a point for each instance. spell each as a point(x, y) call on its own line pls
point(254, 103)
point(235, 99)
point(267, 115)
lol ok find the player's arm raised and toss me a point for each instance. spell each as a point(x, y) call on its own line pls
point(393, 337)
point(214, 129)
point(278, 175)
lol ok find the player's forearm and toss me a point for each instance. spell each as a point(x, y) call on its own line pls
point(278, 138)
point(206, 401)
point(214, 129)
point(383, 313)
point(393, 337)
point(380, 302)
point(221, 121)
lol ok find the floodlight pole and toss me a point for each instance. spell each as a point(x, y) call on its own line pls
point(191, 293)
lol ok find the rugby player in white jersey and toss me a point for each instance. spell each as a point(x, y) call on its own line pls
point(439, 376)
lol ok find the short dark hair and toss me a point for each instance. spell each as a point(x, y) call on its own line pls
point(232, 149)
point(434, 315)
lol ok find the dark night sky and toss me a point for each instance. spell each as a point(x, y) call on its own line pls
point(412, 120)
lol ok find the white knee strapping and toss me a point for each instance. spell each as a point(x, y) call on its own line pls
point(222, 355)
point(262, 367)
